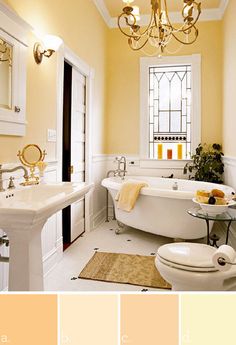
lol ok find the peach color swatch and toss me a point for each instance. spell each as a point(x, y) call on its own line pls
point(149, 319)
point(89, 319)
point(28, 319)
point(208, 319)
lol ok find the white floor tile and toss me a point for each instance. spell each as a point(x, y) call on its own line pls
point(104, 238)
point(130, 241)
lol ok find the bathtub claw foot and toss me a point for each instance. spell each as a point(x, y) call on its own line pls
point(120, 228)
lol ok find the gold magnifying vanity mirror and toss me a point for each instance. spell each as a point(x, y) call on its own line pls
point(32, 156)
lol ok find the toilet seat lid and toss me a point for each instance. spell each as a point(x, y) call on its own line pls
point(188, 255)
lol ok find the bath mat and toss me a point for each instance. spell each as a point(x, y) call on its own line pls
point(125, 269)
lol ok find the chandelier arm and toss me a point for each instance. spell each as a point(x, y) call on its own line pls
point(139, 48)
point(121, 29)
point(187, 43)
point(148, 27)
point(189, 27)
point(182, 28)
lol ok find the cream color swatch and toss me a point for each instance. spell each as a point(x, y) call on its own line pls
point(28, 319)
point(149, 320)
point(89, 319)
point(208, 319)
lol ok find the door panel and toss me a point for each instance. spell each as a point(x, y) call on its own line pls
point(78, 149)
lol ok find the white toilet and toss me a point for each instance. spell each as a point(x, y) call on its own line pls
point(189, 267)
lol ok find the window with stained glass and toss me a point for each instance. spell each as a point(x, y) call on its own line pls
point(170, 97)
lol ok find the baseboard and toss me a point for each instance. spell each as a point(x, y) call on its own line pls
point(99, 218)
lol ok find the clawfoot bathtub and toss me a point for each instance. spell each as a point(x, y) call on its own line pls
point(160, 209)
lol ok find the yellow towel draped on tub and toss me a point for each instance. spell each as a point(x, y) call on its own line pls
point(128, 194)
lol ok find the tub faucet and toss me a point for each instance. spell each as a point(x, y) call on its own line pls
point(2, 171)
point(121, 161)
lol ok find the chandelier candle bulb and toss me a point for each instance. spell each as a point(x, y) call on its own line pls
point(180, 151)
point(169, 154)
point(160, 151)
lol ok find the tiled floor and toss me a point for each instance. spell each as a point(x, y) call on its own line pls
point(131, 241)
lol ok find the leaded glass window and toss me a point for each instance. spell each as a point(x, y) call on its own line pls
point(170, 95)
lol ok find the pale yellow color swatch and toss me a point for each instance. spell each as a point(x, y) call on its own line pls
point(28, 319)
point(208, 319)
point(229, 105)
point(89, 319)
point(149, 320)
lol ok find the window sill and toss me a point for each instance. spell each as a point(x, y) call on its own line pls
point(163, 164)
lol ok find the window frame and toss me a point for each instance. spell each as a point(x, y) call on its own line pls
point(147, 62)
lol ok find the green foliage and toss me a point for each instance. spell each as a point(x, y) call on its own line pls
point(206, 164)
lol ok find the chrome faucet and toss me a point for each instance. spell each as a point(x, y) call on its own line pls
point(3, 171)
point(121, 161)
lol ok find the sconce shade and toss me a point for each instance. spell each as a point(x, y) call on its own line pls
point(52, 42)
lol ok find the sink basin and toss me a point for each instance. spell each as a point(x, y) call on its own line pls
point(32, 205)
point(23, 213)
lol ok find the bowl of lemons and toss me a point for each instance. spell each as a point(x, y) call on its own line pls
point(213, 202)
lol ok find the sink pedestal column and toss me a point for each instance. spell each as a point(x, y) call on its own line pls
point(26, 260)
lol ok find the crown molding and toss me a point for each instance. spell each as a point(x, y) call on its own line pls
point(100, 4)
point(223, 6)
point(10, 13)
point(175, 17)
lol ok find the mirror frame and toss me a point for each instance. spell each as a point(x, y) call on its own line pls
point(24, 161)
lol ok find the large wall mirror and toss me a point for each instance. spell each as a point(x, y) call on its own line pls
point(13, 59)
point(6, 54)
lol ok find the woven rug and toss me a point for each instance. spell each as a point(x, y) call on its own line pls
point(125, 269)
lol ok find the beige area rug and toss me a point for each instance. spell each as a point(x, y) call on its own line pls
point(124, 268)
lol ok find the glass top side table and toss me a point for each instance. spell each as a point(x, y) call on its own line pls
point(229, 217)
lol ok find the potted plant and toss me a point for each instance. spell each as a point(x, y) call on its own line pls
point(206, 164)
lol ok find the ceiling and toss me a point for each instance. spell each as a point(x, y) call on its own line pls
point(114, 7)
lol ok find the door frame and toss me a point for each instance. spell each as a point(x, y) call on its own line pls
point(66, 54)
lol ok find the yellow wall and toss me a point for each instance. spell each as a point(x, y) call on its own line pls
point(116, 99)
point(82, 28)
point(123, 88)
point(229, 103)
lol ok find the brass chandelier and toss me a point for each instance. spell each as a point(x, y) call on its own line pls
point(160, 30)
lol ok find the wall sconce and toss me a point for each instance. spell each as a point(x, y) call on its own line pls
point(50, 45)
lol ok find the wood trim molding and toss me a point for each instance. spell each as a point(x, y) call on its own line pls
point(13, 24)
point(100, 4)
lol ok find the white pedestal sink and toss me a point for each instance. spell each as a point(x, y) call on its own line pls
point(23, 214)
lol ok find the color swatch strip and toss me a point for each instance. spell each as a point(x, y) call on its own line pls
point(111, 319)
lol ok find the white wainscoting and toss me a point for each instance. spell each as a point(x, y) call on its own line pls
point(98, 200)
point(230, 179)
point(230, 171)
